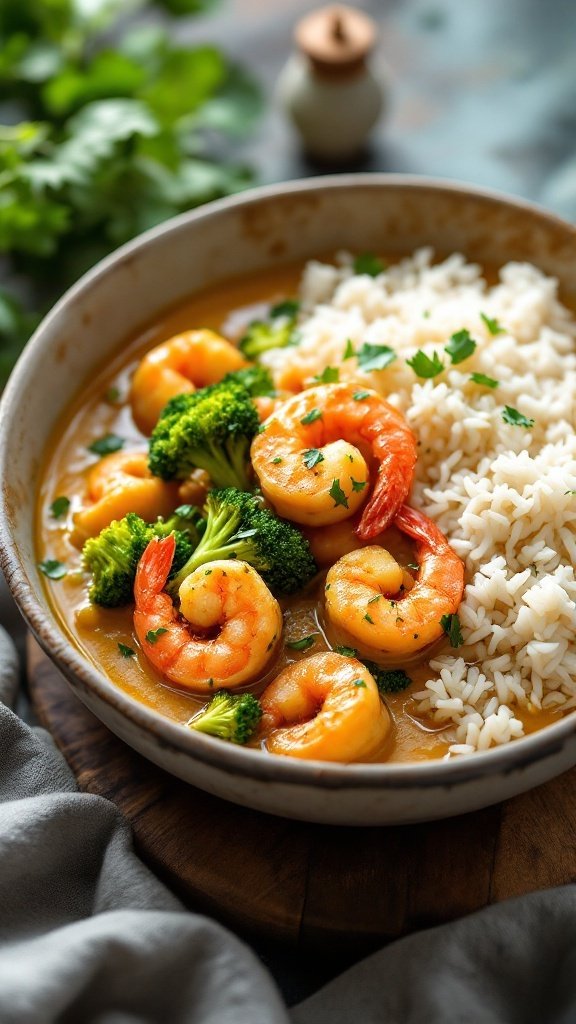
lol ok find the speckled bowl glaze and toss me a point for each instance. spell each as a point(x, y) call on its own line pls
point(265, 227)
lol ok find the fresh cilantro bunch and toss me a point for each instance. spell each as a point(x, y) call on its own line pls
point(111, 130)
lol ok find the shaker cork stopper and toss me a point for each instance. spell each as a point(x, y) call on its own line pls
point(336, 39)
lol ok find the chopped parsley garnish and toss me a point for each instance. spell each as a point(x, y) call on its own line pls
point(153, 635)
point(106, 445)
point(303, 644)
point(359, 682)
point(53, 569)
point(311, 417)
point(360, 396)
point(349, 352)
point(515, 418)
point(569, 492)
point(424, 366)
point(125, 651)
point(375, 357)
point(451, 626)
point(347, 652)
point(460, 347)
point(329, 375)
point(492, 324)
point(277, 460)
point(338, 494)
point(375, 598)
point(369, 619)
point(358, 485)
point(59, 506)
point(112, 395)
point(312, 457)
point(368, 263)
point(481, 378)
point(288, 307)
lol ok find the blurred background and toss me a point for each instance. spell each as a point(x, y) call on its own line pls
point(115, 114)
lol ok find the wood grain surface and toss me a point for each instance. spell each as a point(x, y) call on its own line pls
point(314, 886)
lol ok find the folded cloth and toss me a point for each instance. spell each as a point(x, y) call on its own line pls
point(89, 935)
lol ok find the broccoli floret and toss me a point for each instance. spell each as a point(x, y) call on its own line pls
point(209, 429)
point(388, 680)
point(238, 526)
point(276, 332)
point(256, 380)
point(112, 557)
point(230, 716)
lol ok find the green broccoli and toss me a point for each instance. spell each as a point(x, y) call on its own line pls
point(276, 332)
point(256, 380)
point(112, 556)
point(209, 429)
point(388, 680)
point(238, 526)
point(230, 716)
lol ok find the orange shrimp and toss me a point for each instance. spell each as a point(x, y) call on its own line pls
point(312, 458)
point(181, 364)
point(325, 707)
point(225, 596)
point(369, 604)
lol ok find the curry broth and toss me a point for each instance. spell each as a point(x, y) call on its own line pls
point(98, 631)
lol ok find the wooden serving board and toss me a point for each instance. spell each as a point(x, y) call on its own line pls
point(315, 886)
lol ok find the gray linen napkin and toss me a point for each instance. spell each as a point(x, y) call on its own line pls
point(88, 935)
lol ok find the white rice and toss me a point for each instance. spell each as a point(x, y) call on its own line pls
point(498, 492)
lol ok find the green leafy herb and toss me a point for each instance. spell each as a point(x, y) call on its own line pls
point(460, 347)
point(493, 326)
point(329, 375)
point(375, 357)
point(349, 352)
point(311, 417)
point(112, 395)
point(59, 506)
point(515, 418)
point(376, 597)
point(569, 492)
point(312, 457)
point(106, 445)
point(367, 263)
point(369, 619)
point(451, 626)
point(53, 569)
point(153, 635)
point(125, 651)
point(358, 485)
point(359, 682)
point(288, 307)
point(360, 396)
point(481, 378)
point(303, 644)
point(347, 652)
point(277, 460)
point(424, 366)
point(338, 494)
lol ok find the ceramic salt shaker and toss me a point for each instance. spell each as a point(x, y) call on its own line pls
point(327, 88)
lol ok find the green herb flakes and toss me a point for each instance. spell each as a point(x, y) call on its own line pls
point(153, 635)
point(358, 485)
point(515, 418)
point(360, 396)
point(460, 347)
point(349, 352)
point(125, 651)
point(304, 644)
point(369, 619)
point(288, 307)
point(338, 494)
point(329, 375)
point(59, 507)
point(311, 417)
point(451, 626)
point(312, 457)
point(481, 378)
point(277, 460)
point(367, 263)
point(106, 445)
point(112, 395)
point(53, 569)
point(424, 366)
point(346, 652)
point(376, 597)
point(493, 326)
point(359, 683)
point(375, 357)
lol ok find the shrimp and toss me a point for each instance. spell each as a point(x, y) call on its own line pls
point(227, 630)
point(311, 458)
point(369, 604)
point(121, 483)
point(181, 364)
point(325, 707)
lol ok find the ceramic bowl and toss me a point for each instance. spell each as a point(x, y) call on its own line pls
point(269, 226)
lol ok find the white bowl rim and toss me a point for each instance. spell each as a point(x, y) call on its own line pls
point(228, 757)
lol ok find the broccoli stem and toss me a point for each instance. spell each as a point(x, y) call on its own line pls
point(214, 544)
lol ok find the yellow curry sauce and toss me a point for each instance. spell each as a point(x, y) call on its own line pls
point(101, 409)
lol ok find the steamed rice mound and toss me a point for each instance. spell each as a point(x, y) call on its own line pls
point(504, 495)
